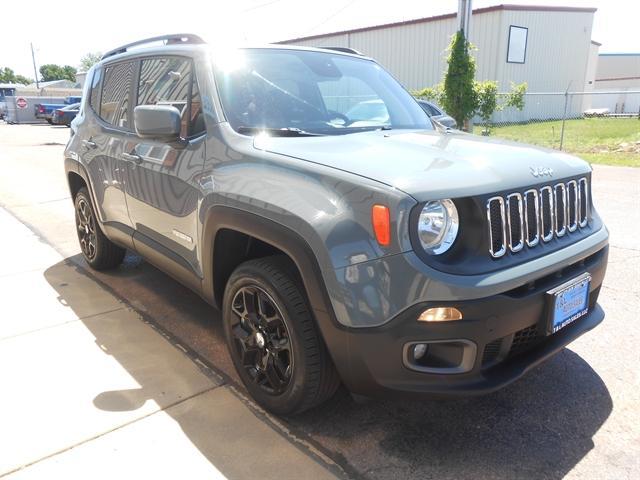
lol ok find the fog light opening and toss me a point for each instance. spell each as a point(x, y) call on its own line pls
point(419, 350)
point(440, 314)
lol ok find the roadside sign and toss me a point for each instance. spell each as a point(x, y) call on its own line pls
point(21, 103)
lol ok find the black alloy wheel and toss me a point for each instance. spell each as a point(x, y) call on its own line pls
point(273, 338)
point(261, 339)
point(99, 252)
point(86, 225)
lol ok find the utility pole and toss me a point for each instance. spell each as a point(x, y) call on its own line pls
point(464, 24)
point(35, 70)
point(464, 17)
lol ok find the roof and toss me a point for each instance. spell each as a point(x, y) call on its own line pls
point(178, 48)
point(54, 83)
point(616, 79)
point(477, 11)
point(621, 54)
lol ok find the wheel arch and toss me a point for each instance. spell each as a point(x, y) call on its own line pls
point(76, 182)
point(274, 238)
point(77, 177)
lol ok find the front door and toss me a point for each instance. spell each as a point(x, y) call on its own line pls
point(162, 193)
point(109, 129)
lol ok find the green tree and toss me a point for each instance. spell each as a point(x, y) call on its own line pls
point(462, 96)
point(459, 98)
point(433, 94)
point(515, 98)
point(24, 80)
point(486, 100)
point(7, 75)
point(51, 71)
point(89, 60)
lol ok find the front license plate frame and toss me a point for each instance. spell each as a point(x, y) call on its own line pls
point(568, 302)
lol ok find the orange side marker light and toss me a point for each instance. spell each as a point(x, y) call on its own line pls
point(381, 224)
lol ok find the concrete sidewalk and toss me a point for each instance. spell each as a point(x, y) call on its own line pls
point(89, 390)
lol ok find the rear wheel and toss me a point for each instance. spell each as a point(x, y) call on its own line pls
point(99, 252)
point(273, 340)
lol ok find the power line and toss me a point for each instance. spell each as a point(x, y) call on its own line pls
point(330, 17)
point(256, 7)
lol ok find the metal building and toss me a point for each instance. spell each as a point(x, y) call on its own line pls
point(619, 73)
point(547, 47)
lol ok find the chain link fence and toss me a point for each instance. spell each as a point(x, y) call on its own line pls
point(594, 124)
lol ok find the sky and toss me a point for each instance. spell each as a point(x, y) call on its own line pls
point(101, 26)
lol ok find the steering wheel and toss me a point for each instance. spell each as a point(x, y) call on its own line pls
point(337, 115)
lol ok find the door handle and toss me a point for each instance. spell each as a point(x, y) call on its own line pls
point(132, 157)
point(89, 144)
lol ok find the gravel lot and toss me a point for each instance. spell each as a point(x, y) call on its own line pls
point(576, 416)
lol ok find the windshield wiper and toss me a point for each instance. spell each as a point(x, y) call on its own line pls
point(278, 132)
point(369, 128)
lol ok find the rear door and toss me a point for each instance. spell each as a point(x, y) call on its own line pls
point(108, 129)
point(162, 193)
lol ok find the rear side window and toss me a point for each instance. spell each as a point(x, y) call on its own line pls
point(94, 96)
point(171, 81)
point(114, 104)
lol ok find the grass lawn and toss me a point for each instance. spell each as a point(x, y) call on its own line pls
point(609, 141)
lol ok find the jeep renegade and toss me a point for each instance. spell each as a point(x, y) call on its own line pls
point(344, 236)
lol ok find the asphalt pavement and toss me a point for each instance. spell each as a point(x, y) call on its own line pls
point(576, 416)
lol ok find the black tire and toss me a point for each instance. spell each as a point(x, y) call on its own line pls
point(99, 252)
point(312, 377)
point(49, 121)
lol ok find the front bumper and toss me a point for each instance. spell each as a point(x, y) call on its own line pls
point(506, 332)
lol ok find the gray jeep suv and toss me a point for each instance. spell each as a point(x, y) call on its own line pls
point(379, 252)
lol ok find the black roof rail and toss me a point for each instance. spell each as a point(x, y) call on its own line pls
point(173, 39)
point(353, 51)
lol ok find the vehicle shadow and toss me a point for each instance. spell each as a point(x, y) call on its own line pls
point(539, 427)
point(211, 415)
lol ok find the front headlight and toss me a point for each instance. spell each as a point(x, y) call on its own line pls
point(438, 226)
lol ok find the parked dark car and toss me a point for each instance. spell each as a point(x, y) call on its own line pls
point(64, 116)
point(45, 111)
point(437, 114)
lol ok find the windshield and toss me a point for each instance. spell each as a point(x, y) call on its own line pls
point(312, 92)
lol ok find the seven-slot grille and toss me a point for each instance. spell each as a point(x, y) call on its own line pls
point(527, 218)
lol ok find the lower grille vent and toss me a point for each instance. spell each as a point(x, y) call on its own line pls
point(525, 339)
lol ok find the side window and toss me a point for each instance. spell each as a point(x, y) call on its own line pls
point(170, 81)
point(114, 104)
point(94, 97)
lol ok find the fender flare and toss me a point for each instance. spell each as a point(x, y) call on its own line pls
point(74, 166)
point(220, 217)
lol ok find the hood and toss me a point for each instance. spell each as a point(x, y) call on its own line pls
point(430, 165)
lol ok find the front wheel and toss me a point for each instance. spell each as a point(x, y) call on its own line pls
point(273, 339)
point(99, 252)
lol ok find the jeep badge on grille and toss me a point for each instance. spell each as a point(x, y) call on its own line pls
point(541, 171)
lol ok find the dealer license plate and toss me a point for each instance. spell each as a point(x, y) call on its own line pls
point(569, 302)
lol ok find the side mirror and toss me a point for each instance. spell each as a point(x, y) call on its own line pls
point(157, 121)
